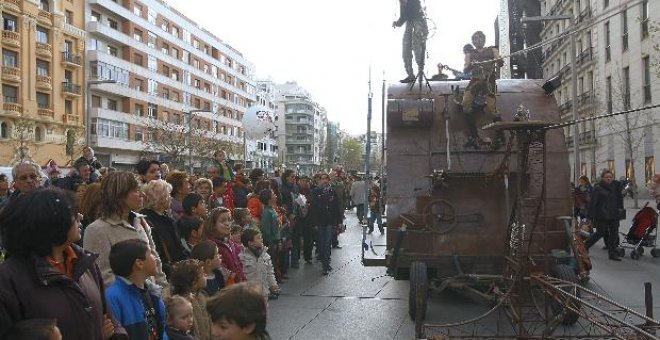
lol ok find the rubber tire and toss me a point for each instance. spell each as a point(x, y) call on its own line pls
point(640, 250)
point(566, 273)
point(634, 255)
point(418, 280)
point(621, 251)
point(655, 252)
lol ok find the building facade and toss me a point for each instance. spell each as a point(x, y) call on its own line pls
point(616, 72)
point(263, 153)
point(43, 70)
point(302, 125)
point(168, 78)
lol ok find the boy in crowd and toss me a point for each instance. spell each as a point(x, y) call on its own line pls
point(238, 312)
point(194, 205)
point(139, 309)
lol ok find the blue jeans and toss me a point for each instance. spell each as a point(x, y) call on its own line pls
point(324, 244)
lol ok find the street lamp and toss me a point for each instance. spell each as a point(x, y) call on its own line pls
point(574, 102)
point(88, 95)
point(189, 133)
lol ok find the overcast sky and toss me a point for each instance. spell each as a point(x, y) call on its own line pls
point(328, 46)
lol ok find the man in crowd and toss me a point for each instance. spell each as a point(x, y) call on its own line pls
point(81, 174)
point(326, 213)
point(26, 179)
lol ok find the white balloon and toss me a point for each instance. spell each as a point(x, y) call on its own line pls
point(258, 121)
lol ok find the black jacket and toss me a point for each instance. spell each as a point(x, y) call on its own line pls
point(166, 238)
point(606, 201)
point(411, 9)
point(324, 208)
point(287, 192)
point(31, 288)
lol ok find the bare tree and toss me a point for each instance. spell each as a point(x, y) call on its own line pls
point(23, 141)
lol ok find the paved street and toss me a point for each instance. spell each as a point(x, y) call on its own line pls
point(356, 302)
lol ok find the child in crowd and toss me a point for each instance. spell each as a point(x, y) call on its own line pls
point(217, 199)
point(235, 232)
point(179, 318)
point(35, 329)
point(191, 232)
point(133, 301)
point(270, 225)
point(257, 263)
point(238, 312)
point(194, 205)
point(188, 280)
point(241, 190)
point(243, 218)
point(206, 252)
point(216, 228)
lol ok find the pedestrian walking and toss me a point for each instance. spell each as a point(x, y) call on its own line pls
point(326, 214)
point(606, 209)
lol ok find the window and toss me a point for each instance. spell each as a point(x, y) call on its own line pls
point(137, 34)
point(138, 134)
point(175, 31)
point(646, 69)
point(606, 3)
point(68, 17)
point(175, 75)
point(165, 48)
point(151, 39)
point(644, 20)
point(10, 22)
point(175, 53)
point(43, 100)
point(43, 68)
point(176, 118)
point(165, 26)
point(68, 107)
point(151, 15)
point(152, 110)
point(186, 36)
point(9, 58)
point(68, 76)
point(38, 134)
point(137, 59)
point(166, 93)
point(68, 46)
point(608, 93)
point(112, 104)
point(96, 16)
point(197, 83)
point(608, 55)
point(152, 63)
point(112, 51)
point(96, 101)
point(166, 71)
point(137, 10)
point(138, 84)
point(42, 35)
point(152, 87)
point(139, 110)
point(626, 88)
point(113, 24)
point(44, 6)
point(649, 168)
point(624, 30)
point(5, 130)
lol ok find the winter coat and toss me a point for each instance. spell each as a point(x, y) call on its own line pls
point(606, 200)
point(270, 226)
point(201, 320)
point(166, 238)
point(358, 192)
point(175, 334)
point(255, 206)
point(31, 288)
point(103, 233)
point(288, 192)
point(259, 270)
point(125, 300)
point(176, 209)
point(230, 259)
point(324, 208)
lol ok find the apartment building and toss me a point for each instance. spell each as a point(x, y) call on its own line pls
point(616, 72)
point(42, 72)
point(150, 67)
point(263, 153)
point(302, 128)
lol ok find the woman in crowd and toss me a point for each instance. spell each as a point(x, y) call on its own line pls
point(180, 188)
point(46, 275)
point(120, 197)
point(147, 170)
point(163, 230)
point(582, 197)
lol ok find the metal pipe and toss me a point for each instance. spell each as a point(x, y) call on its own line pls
point(576, 130)
point(367, 181)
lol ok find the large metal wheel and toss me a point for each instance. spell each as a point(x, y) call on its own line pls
point(418, 294)
point(566, 273)
point(440, 216)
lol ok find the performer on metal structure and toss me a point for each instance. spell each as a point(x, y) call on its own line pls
point(482, 63)
point(414, 37)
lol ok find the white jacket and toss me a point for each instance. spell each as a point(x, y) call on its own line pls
point(259, 270)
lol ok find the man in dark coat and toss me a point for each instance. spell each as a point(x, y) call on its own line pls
point(327, 215)
point(606, 210)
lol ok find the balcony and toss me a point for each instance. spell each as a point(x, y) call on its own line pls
point(45, 17)
point(70, 119)
point(584, 15)
point(44, 50)
point(14, 5)
point(12, 107)
point(586, 99)
point(45, 112)
point(587, 138)
point(44, 83)
point(11, 38)
point(566, 107)
point(71, 59)
point(11, 74)
point(71, 89)
point(584, 57)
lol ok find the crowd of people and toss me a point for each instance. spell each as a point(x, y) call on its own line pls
point(160, 253)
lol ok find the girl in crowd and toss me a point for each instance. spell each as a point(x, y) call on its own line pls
point(254, 204)
point(243, 218)
point(179, 318)
point(216, 228)
point(120, 198)
point(46, 270)
point(207, 254)
point(204, 187)
point(188, 280)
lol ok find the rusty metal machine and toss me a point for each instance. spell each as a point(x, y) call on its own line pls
point(490, 222)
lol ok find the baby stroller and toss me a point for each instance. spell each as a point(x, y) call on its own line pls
point(643, 233)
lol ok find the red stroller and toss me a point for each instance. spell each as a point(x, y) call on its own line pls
point(643, 233)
